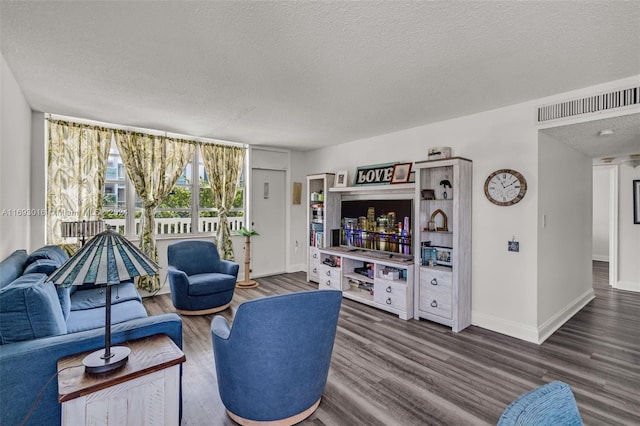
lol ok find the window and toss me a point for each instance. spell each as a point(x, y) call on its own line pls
point(114, 208)
point(188, 207)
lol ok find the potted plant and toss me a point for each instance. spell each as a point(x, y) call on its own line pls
point(247, 283)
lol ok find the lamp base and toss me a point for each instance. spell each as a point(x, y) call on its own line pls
point(97, 363)
point(246, 284)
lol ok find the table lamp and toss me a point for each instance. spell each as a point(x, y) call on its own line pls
point(107, 259)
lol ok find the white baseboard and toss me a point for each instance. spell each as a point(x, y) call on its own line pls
point(502, 326)
point(527, 332)
point(555, 322)
point(297, 268)
point(600, 257)
point(628, 285)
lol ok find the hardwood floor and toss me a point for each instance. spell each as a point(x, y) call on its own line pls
point(388, 372)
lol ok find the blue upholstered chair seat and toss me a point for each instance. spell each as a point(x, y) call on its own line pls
point(200, 284)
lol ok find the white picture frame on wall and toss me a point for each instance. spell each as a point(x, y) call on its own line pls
point(340, 179)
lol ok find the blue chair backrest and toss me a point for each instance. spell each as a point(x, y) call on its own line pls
point(550, 404)
point(280, 349)
point(194, 256)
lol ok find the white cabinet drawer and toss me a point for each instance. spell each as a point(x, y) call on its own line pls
point(314, 263)
point(435, 299)
point(390, 294)
point(435, 278)
point(329, 278)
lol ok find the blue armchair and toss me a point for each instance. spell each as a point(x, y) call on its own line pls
point(272, 364)
point(201, 283)
point(550, 404)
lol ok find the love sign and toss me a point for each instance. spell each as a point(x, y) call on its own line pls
point(377, 174)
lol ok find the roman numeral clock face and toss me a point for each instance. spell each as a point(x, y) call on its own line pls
point(505, 187)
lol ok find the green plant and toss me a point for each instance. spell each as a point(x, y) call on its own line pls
point(246, 233)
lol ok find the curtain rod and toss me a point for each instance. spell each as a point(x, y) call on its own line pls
point(83, 121)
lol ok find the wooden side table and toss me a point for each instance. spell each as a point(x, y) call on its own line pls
point(146, 391)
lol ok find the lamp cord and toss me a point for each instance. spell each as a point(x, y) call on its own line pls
point(39, 397)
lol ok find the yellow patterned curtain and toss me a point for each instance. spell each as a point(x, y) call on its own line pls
point(223, 165)
point(76, 166)
point(154, 164)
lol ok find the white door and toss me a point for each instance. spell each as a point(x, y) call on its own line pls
point(268, 219)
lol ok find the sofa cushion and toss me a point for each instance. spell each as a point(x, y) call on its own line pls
point(12, 267)
point(64, 297)
point(210, 283)
point(51, 252)
point(29, 309)
point(95, 297)
point(42, 266)
point(88, 319)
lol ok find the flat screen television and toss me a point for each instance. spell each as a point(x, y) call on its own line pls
point(378, 225)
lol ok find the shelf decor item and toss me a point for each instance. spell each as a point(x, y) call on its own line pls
point(434, 217)
point(401, 173)
point(247, 282)
point(444, 256)
point(107, 259)
point(340, 179)
point(439, 152)
point(428, 194)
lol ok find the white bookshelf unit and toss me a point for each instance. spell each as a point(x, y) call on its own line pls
point(442, 243)
point(323, 215)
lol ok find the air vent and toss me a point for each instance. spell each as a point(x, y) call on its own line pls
point(597, 103)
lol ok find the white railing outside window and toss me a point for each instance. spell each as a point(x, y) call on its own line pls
point(180, 225)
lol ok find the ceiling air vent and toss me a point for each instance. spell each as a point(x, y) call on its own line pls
point(591, 104)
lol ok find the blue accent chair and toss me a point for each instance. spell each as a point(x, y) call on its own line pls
point(201, 283)
point(550, 404)
point(272, 364)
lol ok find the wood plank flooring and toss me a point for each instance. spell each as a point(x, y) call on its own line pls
point(390, 372)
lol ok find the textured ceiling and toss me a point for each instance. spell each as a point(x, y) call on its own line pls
point(305, 74)
point(616, 147)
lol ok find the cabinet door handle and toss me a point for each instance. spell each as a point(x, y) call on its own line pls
point(315, 270)
point(434, 304)
point(328, 282)
point(315, 255)
point(434, 282)
point(388, 301)
point(328, 273)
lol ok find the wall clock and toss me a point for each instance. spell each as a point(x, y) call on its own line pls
point(505, 187)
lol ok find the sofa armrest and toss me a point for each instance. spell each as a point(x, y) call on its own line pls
point(228, 267)
point(26, 367)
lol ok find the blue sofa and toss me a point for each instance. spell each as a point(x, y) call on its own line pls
point(40, 323)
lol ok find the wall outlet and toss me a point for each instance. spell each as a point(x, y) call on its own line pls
point(513, 246)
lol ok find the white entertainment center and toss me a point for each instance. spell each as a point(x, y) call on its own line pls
point(390, 270)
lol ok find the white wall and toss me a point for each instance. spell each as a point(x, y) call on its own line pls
point(38, 189)
point(629, 233)
point(600, 205)
point(15, 162)
point(505, 284)
point(565, 233)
